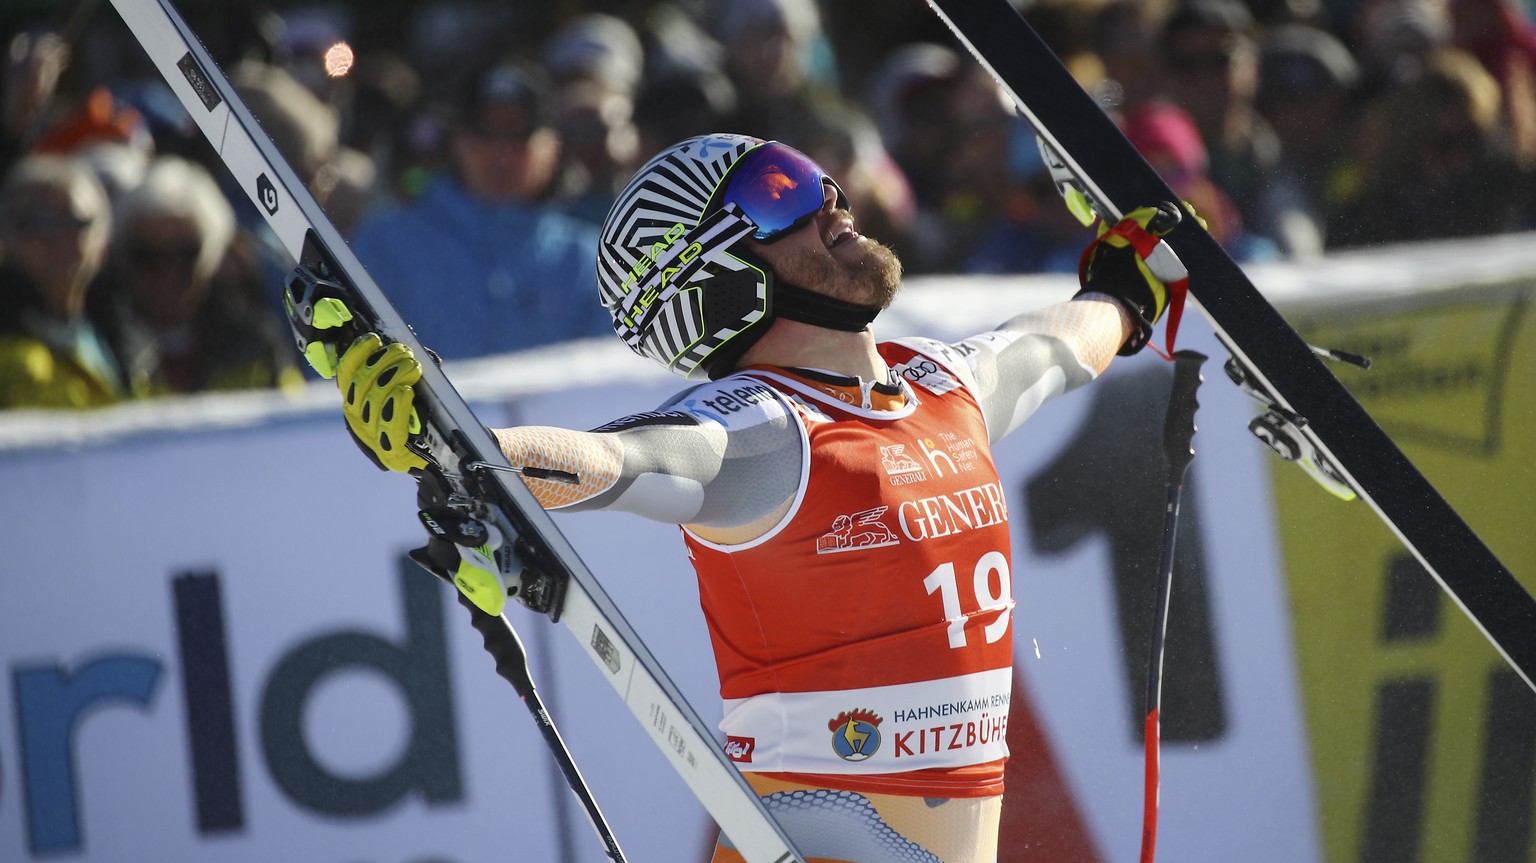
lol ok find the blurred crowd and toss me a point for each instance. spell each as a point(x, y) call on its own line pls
point(470, 149)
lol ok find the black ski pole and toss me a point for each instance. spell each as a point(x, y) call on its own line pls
point(502, 642)
point(1178, 430)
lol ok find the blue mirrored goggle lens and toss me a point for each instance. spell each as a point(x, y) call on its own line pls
point(777, 187)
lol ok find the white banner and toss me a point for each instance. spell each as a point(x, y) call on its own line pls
point(213, 649)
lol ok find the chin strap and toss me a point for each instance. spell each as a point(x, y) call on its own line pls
point(808, 307)
point(791, 302)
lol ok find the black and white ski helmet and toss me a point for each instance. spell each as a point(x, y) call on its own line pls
point(666, 270)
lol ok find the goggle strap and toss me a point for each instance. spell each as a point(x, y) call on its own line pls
point(718, 231)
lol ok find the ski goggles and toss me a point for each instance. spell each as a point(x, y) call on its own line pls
point(778, 187)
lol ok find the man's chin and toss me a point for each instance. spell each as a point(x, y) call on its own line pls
point(870, 279)
point(877, 275)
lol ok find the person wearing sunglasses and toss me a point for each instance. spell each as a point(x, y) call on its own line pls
point(54, 228)
point(179, 306)
point(837, 493)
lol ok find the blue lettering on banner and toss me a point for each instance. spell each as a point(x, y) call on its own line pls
point(429, 766)
point(209, 702)
point(50, 704)
point(53, 700)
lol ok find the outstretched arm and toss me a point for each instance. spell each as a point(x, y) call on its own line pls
point(1041, 354)
point(666, 465)
point(1091, 326)
point(1037, 355)
point(724, 459)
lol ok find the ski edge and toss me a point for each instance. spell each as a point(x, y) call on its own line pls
point(1478, 583)
point(296, 218)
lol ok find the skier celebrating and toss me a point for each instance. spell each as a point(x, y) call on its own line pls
point(836, 493)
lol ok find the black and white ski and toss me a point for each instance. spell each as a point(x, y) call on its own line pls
point(555, 581)
point(1113, 178)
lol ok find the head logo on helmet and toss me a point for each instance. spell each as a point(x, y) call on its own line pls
point(671, 268)
point(666, 272)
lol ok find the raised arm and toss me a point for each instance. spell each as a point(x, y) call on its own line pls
point(1041, 354)
point(1044, 353)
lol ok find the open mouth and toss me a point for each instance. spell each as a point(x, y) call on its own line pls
point(840, 234)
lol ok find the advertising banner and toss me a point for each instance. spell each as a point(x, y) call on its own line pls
point(213, 648)
point(1423, 740)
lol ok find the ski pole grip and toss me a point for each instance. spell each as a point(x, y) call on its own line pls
point(503, 644)
point(1179, 427)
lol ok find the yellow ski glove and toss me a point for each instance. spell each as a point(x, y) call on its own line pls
point(378, 399)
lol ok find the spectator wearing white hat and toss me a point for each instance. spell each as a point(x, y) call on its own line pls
point(183, 305)
point(54, 225)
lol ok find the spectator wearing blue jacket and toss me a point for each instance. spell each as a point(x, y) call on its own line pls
point(479, 264)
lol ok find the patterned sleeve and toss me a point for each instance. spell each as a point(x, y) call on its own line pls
point(724, 455)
